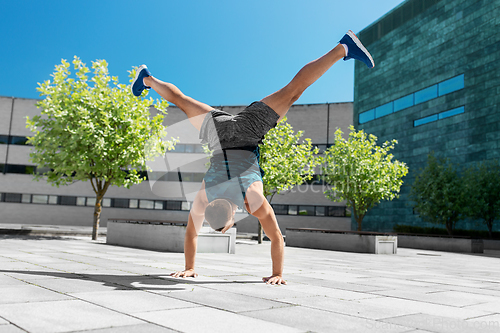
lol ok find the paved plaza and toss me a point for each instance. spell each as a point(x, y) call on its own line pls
point(73, 284)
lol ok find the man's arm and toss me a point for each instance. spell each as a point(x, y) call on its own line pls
point(190, 245)
point(195, 221)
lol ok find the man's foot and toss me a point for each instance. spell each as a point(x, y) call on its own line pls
point(356, 50)
point(138, 85)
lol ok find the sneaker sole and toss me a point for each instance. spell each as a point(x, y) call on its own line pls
point(141, 67)
point(361, 46)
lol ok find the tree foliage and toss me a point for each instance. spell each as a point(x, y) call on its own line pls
point(94, 129)
point(361, 173)
point(482, 189)
point(438, 193)
point(287, 160)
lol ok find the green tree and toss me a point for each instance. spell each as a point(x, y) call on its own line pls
point(287, 160)
point(438, 193)
point(361, 173)
point(482, 188)
point(94, 129)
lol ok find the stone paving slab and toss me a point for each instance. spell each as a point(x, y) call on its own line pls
point(11, 329)
point(141, 328)
point(439, 324)
point(28, 293)
point(73, 284)
point(315, 320)
point(233, 302)
point(350, 307)
point(62, 316)
point(208, 320)
point(132, 301)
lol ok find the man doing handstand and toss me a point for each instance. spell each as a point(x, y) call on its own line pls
point(235, 177)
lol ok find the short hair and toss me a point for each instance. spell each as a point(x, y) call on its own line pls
point(218, 213)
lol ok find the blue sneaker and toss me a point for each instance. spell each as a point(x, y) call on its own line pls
point(137, 85)
point(356, 50)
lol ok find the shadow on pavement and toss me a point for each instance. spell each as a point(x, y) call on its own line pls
point(128, 282)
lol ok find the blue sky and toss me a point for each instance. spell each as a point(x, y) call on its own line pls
point(219, 52)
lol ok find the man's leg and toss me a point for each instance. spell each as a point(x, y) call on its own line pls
point(283, 99)
point(194, 109)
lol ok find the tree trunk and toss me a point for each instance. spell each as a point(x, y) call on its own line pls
point(97, 216)
point(449, 228)
point(490, 228)
point(100, 189)
point(260, 234)
point(359, 220)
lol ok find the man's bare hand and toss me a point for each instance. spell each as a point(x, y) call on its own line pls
point(274, 279)
point(184, 274)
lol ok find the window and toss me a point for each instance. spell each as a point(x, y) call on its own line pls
point(172, 177)
point(146, 204)
point(198, 149)
point(26, 198)
point(198, 177)
point(292, 210)
point(80, 201)
point(366, 116)
point(4, 139)
point(403, 103)
point(280, 209)
point(179, 148)
point(337, 211)
point(451, 85)
point(451, 113)
point(18, 140)
point(320, 211)
point(173, 205)
point(426, 94)
point(426, 120)
point(13, 197)
point(120, 203)
point(91, 201)
point(383, 110)
point(306, 210)
point(159, 204)
point(133, 203)
point(67, 201)
point(186, 205)
point(39, 199)
point(52, 199)
point(106, 202)
point(20, 169)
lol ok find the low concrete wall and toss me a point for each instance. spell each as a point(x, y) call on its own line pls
point(165, 236)
point(491, 244)
point(440, 243)
point(250, 223)
point(342, 241)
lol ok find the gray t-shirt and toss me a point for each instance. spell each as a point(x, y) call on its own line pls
point(222, 130)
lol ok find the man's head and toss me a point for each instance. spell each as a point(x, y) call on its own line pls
point(220, 214)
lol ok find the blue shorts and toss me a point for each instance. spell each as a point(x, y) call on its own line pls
point(231, 173)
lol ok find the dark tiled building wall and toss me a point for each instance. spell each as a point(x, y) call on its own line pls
point(422, 47)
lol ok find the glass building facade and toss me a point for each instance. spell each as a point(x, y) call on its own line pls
point(435, 88)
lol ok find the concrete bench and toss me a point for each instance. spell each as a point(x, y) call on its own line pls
point(166, 236)
point(346, 241)
point(441, 243)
